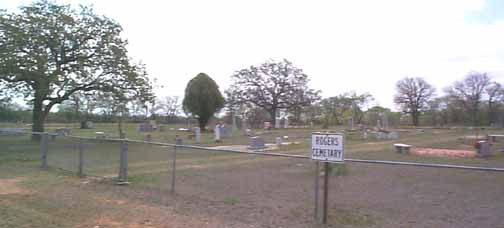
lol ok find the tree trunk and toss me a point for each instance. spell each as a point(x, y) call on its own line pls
point(202, 126)
point(202, 122)
point(475, 119)
point(273, 117)
point(38, 117)
point(415, 118)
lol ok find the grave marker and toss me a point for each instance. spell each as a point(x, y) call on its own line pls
point(278, 141)
point(257, 143)
point(197, 134)
point(267, 125)
point(484, 149)
point(217, 133)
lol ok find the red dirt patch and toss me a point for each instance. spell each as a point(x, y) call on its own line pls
point(9, 186)
point(444, 153)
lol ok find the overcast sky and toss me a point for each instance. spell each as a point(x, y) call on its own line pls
point(360, 45)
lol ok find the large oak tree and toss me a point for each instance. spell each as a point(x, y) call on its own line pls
point(412, 96)
point(49, 52)
point(273, 86)
point(470, 93)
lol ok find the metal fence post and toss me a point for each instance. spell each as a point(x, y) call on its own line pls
point(43, 149)
point(174, 168)
point(123, 163)
point(317, 177)
point(81, 159)
point(326, 192)
point(178, 141)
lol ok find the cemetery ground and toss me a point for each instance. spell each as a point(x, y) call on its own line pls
point(219, 189)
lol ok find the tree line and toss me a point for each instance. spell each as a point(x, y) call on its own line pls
point(55, 56)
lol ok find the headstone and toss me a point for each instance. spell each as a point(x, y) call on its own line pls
point(217, 133)
point(153, 124)
point(380, 135)
point(248, 132)
point(145, 127)
point(256, 143)
point(101, 135)
point(86, 125)
point(63, 131)
point(393, 135)
point(225, 131)
point(484, 149)
point(148, 138)
point(178, 140)
point(279, 141)
point(277, 123)
point(364, 134)
point(267, 125)
point(286, 122)
point(11, 131)
point(197, 134)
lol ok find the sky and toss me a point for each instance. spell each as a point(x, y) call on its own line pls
point(354, 45)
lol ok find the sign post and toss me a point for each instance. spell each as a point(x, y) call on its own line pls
point(326, 147)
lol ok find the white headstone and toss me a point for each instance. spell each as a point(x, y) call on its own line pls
point(217, 132)
point(279, 141)
point(197, 134)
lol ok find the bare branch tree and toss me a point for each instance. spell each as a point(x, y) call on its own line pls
point(272, 86)
point(412, 96)
point(469, 92)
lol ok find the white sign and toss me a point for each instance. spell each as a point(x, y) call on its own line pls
point(327, 147)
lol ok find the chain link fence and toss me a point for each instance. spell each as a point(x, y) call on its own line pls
point(259, 184)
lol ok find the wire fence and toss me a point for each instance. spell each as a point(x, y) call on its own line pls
point(260, 182)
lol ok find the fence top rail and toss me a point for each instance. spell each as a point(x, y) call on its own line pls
point(383, 162)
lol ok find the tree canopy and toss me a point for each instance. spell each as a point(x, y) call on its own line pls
point(469, 93)
point(412, 96)
point(272, 86)
point(48, 52)
point(202, 98)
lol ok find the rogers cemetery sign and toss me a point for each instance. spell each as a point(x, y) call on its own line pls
point(327, 147)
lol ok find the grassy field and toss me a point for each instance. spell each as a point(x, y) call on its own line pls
point(218, 189)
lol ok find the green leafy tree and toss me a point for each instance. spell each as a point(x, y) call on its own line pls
point(273, 85)
point(48, 52)
point(202, 98)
